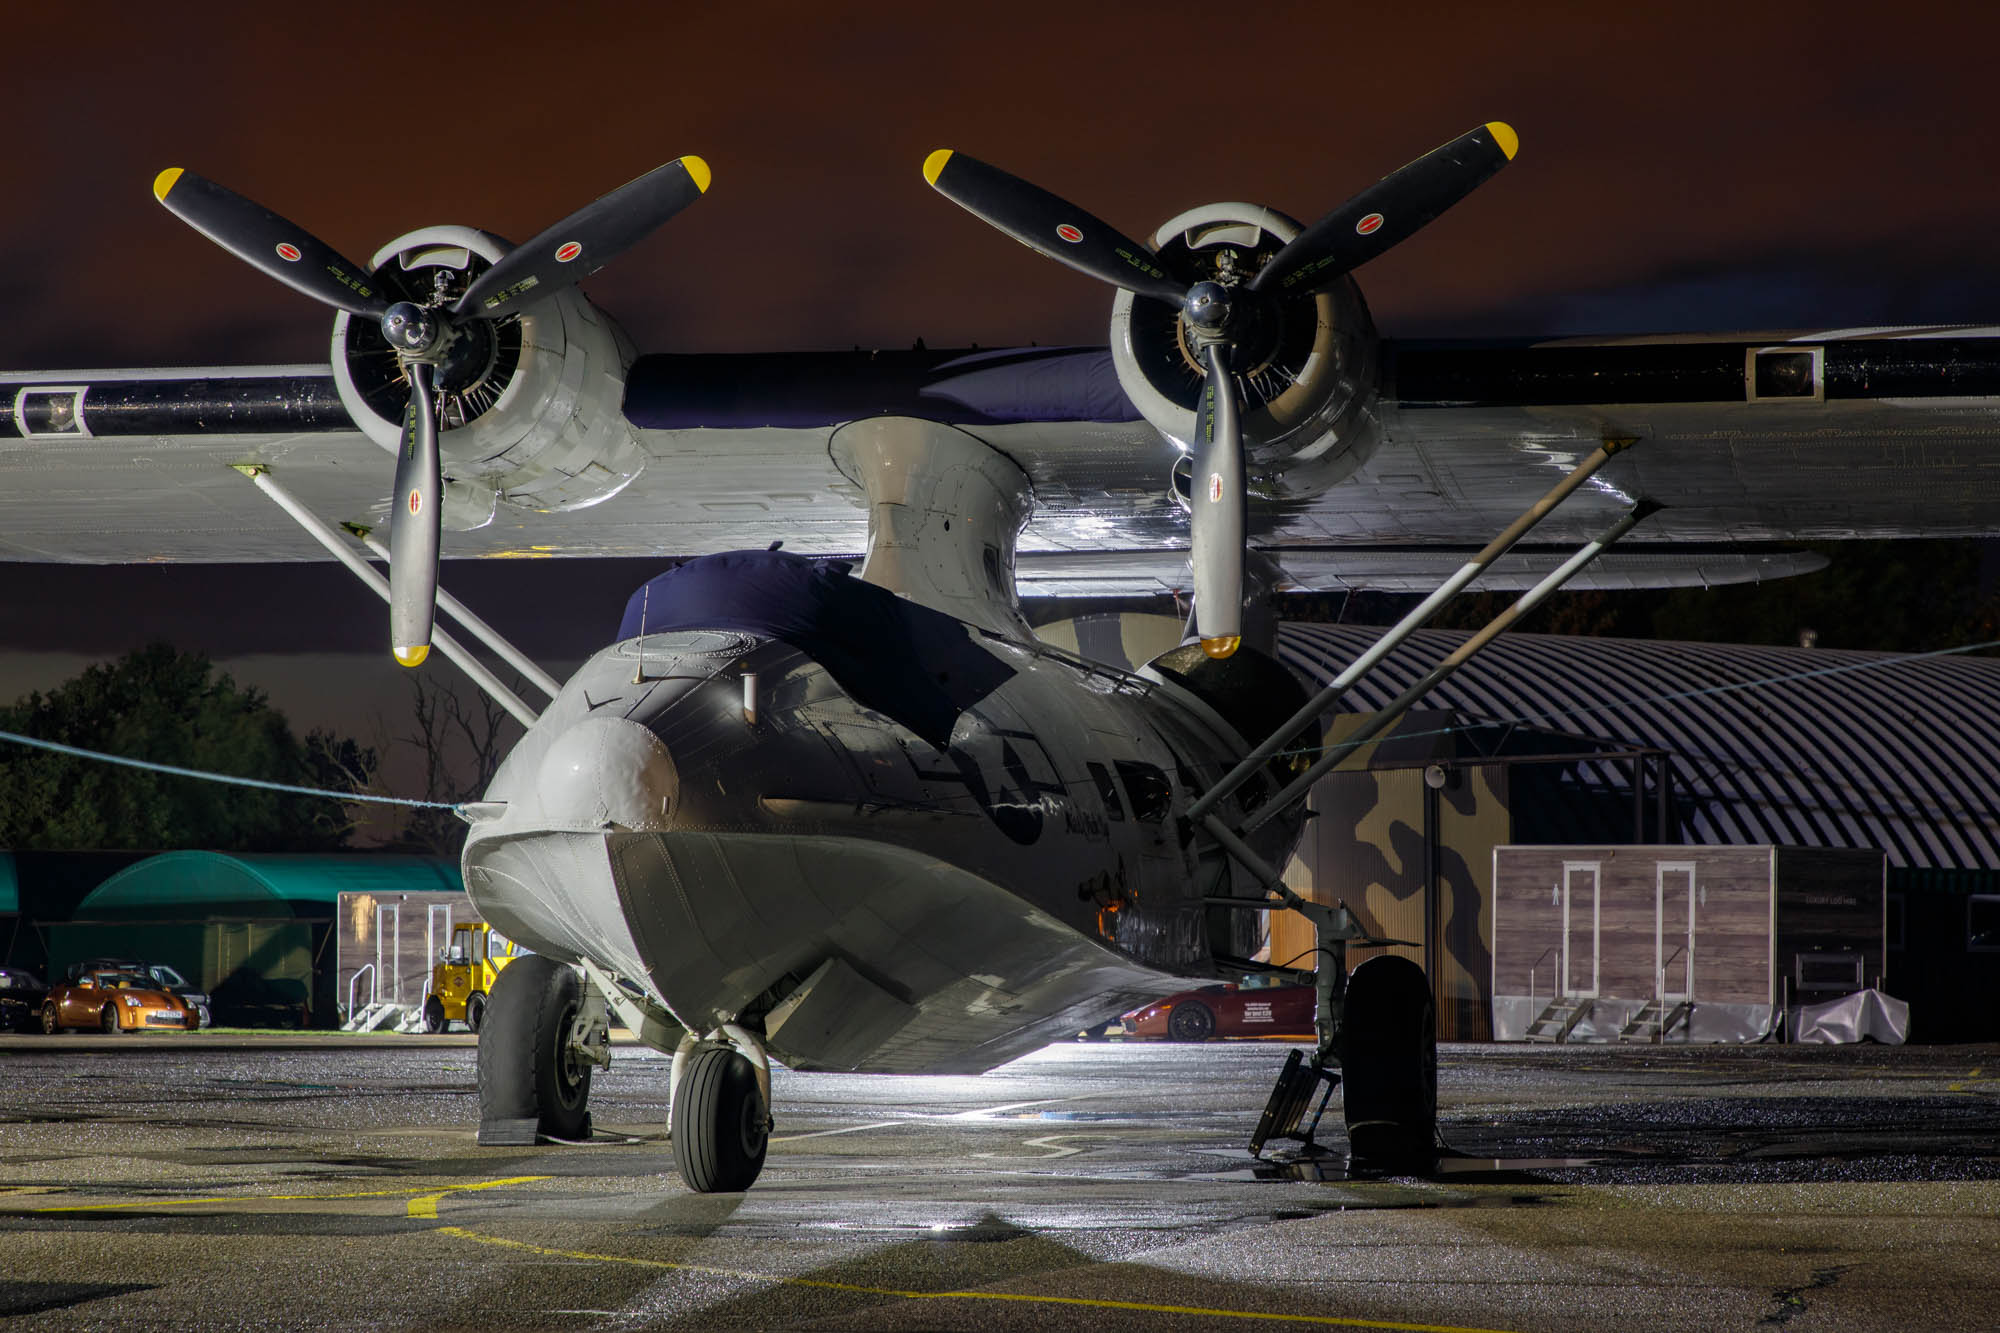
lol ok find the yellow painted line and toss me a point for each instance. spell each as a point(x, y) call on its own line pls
point(431, 1193)
point(427, 1206)
point(821, 1284)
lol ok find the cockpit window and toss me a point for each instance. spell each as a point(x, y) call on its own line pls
point(1152, 795)
point(1107, 791)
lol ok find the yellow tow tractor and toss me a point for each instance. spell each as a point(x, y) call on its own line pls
point(462, 977)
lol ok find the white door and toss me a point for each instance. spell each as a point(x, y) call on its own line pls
point(1581, 913)
point(1673, 929)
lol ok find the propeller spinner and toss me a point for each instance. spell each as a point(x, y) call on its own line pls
point(1223, 316)
point(424, 333)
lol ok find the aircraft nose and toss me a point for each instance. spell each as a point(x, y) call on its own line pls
point(607, 770)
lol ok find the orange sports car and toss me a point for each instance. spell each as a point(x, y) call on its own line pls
point(115, 1001)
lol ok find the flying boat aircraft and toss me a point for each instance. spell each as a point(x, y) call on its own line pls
point(864, 819)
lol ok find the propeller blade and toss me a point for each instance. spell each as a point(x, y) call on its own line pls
point(1059, 229)
point(586, 240)
point(414, 516)
point(1216, 515)
point(257, 236)
point(1387, 212)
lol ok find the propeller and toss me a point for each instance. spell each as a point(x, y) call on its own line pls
point(1225, 313)
point(423, 333)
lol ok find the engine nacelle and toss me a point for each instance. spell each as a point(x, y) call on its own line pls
point(531, 410)
point(1309, 380)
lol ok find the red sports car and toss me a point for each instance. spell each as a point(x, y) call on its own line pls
point(115, 1001)
point(1225, 1011)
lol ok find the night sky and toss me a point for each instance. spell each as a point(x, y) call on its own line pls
point(1731, 166)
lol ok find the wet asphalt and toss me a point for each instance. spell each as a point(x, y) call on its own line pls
point(168, 1181)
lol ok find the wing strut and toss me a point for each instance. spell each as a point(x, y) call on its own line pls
point(1334, 926)
point(324, 533)
point(1410, 624)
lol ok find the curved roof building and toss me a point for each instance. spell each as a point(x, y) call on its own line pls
point(1795, 746)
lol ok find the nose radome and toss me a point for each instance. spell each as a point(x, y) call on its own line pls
point(606, 770)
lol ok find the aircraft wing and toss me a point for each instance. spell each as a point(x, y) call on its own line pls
point(1746, 440)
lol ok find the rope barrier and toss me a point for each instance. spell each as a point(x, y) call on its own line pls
point(203, 775)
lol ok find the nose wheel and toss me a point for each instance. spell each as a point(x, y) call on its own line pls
point(722, 1111)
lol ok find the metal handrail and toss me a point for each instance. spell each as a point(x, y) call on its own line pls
point(355, 981)
point(1660, 977)
point(1531, 972)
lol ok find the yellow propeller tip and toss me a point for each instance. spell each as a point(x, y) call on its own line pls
point(164, 182)
point(1503, 134)
point(934, 164)
point(413, 657)
point(699, 173)
point(1221, 648)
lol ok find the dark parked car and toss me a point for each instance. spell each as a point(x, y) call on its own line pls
point(21, 995)
point(248, 1000)
point(164, 975)
point(1225, 1011)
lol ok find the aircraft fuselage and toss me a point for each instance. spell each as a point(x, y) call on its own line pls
point(955, 901)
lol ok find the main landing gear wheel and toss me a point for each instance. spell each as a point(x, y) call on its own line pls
point(1190, 1020)
point(1388, 1066)
point(720, 1125)
point(532, 1080)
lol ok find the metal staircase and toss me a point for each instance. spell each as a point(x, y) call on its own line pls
point(1655, 1020)
point(1558, 1019)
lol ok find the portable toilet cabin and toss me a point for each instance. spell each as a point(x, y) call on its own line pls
point(1652, 943)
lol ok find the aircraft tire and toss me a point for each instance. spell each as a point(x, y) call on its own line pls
point(434, 1019)
point(719, 1127)
point(526, 1070)
point(1191, 1020)
point(1388, 1066)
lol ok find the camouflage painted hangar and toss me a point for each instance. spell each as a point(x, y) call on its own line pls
point(1551, 740)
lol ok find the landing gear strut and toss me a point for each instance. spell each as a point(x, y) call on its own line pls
point(1377, 1031)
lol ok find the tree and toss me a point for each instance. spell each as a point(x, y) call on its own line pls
point(168, 707)
point(462, 745)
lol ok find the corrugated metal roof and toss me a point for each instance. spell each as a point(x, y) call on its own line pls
point(178, 884)
point(1834, 749)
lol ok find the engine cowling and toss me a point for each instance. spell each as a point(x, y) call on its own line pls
point(1308, 381)
point(531, 409)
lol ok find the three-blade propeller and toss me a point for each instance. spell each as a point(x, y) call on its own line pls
point(422, 334)
point(1218, 313)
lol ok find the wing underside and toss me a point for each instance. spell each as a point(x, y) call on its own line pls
point(1747, 443)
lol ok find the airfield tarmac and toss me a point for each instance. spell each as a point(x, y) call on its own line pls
point(187, 1181)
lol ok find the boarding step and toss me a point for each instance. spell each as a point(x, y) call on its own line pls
point(1558, 1019)
point(376, 1017)
point(1655, 1021)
